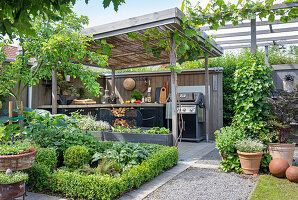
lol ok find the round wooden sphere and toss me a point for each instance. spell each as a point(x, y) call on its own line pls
point(278, 167)
point(292, 174)
point(129, 84)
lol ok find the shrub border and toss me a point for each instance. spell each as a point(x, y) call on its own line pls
point(75, 185)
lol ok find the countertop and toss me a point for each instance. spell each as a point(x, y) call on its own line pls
point(105, 105)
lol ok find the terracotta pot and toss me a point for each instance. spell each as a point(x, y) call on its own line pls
point(281, 150)
point(17, 162)
point(12, 190)
point(250, 162)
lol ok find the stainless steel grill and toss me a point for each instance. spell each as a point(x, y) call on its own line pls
point(192, 108)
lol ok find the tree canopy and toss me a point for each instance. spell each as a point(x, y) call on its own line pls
point(15, 15)
point(56, 46)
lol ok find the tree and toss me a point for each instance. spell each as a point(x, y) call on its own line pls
point(15, 15)
point(56, 46)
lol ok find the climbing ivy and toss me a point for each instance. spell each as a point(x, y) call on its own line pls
point(252, 86)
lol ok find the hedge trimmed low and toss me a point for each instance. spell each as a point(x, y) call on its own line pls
point(76, 185)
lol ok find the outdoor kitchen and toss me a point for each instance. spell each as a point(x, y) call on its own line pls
point(155, 113)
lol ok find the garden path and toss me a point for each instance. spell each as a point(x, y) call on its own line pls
point(195, 177)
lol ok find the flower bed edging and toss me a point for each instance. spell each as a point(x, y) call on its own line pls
point(164, 139)
point(80, 186)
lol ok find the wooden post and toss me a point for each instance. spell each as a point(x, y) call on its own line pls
point(113, 81)
point(253, 36)
point(10, 109)
point(173, 90)
point(207, 97)
point(266, 56)
point(54, 92)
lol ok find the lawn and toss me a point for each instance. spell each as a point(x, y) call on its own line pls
point(270, 187)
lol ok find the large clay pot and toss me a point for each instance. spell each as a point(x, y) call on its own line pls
point(281, 150)
point(12, 190)
point(250, 162)
point(292, 174)
point(17, 162)
point(278, 167)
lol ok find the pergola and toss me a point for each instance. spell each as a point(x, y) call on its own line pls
point(130, 53)
point(268, 33)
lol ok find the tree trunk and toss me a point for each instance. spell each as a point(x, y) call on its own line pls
point(20, 113)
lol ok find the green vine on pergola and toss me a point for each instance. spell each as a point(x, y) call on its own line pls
point(217, 13)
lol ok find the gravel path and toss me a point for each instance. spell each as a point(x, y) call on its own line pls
point(195, 183)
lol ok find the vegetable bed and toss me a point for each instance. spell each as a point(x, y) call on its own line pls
point(155, 135)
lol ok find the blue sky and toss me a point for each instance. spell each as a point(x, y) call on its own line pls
point(132, 8)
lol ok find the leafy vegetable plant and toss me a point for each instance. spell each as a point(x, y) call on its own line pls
point(126, 154)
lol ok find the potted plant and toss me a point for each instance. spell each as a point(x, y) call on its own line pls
point(136, 95)
point(226, 138)
point(283, 107)
point(12, 185)
point(250, 154)
point(16, 155)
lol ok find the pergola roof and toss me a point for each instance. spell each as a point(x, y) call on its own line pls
point(129, 53)
point(268, 33)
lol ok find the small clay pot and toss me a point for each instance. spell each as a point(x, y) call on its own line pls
point(292, 174)
point(278, 167)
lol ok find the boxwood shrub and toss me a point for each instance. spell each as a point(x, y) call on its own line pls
point(78, 185)
point(76, 156)
point(46, 157)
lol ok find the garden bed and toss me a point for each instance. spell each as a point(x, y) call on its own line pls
point(103, 186)
point(164, 139)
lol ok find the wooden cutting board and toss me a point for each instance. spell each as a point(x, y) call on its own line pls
point(142, 86)
point(163, 95)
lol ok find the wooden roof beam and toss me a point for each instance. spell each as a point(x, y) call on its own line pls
point(277, 38)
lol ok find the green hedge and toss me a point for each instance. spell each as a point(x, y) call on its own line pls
point(76, 185)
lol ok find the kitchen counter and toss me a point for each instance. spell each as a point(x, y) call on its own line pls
point(152, 113)
point(105, 105)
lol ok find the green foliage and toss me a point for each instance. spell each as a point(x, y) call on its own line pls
point(97, 186)
point(89, 123)
point(226, 138)
point(126, 154)
point(218, 13)
point(137, 95)
point(158, 130)
point(59, 132)
point(265, 161)
point(39, 178)
point(46, 157)
point(153, 130)
point(250, 145)
point(252, 86)
point(52, 47)
point(231, 163)
point(14, 147)
point(76, 156)
point(121, 129)
point(283, 112)
point(14, 177)
point(16, 15)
